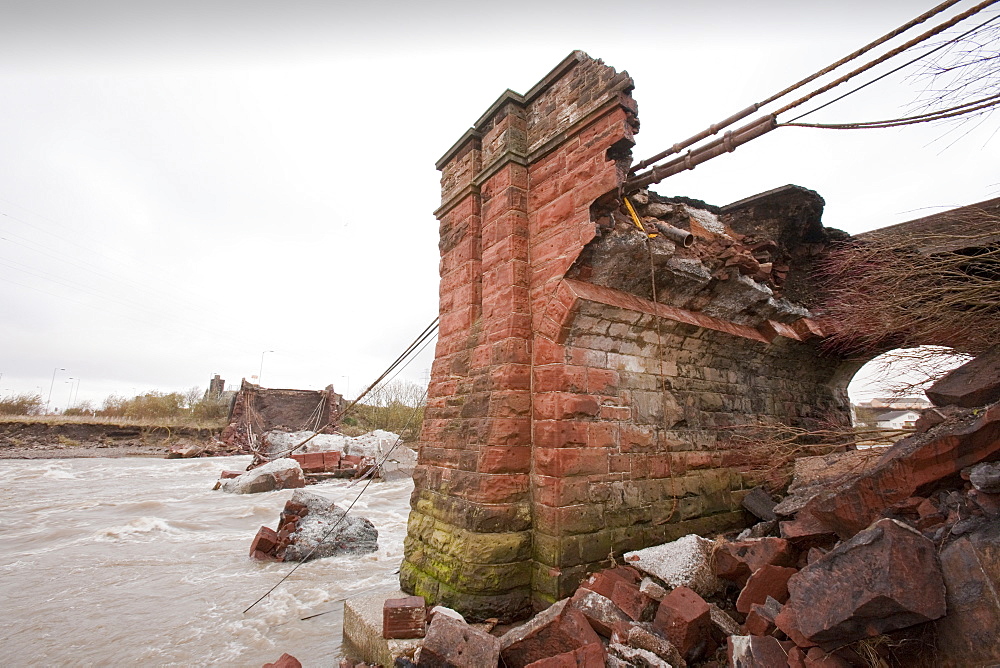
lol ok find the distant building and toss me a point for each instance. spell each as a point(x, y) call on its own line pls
point(216, 387)
point(897, 403)
point(897, 420)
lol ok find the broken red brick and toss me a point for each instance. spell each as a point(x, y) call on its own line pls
point(760, 619)
point(600, 611)
point(756, 652)
point(684, 618)
point(766, 581)
point(453, 643)
point(265, 542)
point(588, 656)
point(404, 617)
point(557, 630)
point(737, 560)
point(286, 660)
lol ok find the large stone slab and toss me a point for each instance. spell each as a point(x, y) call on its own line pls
point(885, 578)
point(326, 531)
point(975, 383)
point(967, 636)
point(912, 467)
point(685, 562)
point(363, 630)
point(451, 643)
point(282, 473)
point(558, 629)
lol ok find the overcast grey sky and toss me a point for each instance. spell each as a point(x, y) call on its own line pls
point(184, 185)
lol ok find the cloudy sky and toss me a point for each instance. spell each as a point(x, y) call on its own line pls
point(185, 185)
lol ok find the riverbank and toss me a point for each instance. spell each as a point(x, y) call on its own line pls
point(65, 439)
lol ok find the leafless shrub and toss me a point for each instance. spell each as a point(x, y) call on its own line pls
point(769, 448)
point(886, 291)
point(961, 69)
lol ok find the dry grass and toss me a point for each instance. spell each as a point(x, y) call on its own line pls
point(146, 423)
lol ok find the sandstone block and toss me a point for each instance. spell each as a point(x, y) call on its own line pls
point(451, 643)
point(600, 611)
point(404, 617)
point(885, 578)
point(766, 582)
point(589, 656)
point(755, 652)
point(985, 477)
point(760, 504)
point(736, 561)
point(685, 619)
point(971, 569)
point(914, 463)
point(975, 383)
point(556, 630)
point(286, 660)
point(685, 562)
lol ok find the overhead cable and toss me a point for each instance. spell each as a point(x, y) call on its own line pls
point(714, 129)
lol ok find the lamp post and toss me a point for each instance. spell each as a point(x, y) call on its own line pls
point(260, 371)
point(76, 392)
point(52, 385)
point(69, 399)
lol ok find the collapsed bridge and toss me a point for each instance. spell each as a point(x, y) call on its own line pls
point(593, 354)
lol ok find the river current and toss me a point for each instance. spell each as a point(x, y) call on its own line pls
point(138, 562)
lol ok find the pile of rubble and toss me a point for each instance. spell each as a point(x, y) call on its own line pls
point(312, 527)
point(891, 558)
point(326, 456)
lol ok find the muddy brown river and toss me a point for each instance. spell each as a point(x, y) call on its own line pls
point(138, 562)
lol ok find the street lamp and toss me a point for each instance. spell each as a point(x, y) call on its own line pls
point(69, 399)
point(76, 392)
point(52, 385)
point(260, 372)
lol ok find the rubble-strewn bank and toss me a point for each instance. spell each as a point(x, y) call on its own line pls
point(874, 558)
point(24, 439)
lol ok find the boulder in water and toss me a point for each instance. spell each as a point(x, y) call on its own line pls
point(324, 530)
point(280, 474)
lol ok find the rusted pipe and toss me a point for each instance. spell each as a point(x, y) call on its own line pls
point(691, 159)
point(676, 234)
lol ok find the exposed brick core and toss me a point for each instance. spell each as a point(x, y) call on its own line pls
point(568, 420)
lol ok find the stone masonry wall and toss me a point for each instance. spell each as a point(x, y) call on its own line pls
point(567, 420)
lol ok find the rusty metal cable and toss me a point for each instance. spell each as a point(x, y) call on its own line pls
point(896, 69)
point(421, 339)
point(765, 124)
point(892, 53)
point(950, 112)
point(714, 128)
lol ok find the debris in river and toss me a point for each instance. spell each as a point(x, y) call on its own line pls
point(312, 527)
point(280, 474)
point(286, 660)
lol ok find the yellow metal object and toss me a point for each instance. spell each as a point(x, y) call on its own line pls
point(635, 218)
